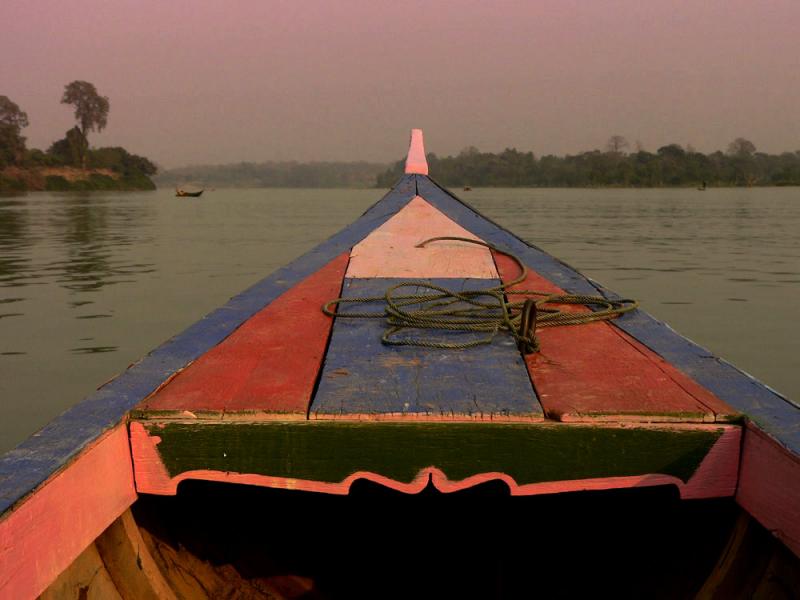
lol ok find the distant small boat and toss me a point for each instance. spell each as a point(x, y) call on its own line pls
point(467, 188)
point(702, 187)
point(184, 194)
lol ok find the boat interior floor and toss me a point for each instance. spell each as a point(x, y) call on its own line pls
point(215, 540)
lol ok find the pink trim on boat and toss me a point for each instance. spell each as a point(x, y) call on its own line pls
point(149, 471)
point(769, 485)
point(416, 163)
point(717, 475)
point(391, 249)
point(714, 478)
point(43, 535)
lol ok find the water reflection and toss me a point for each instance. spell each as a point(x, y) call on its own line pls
point(83, 228)
point(92, 231)
point(78, 243)
point(94, 349)
point(14, 239)
point(76, 239)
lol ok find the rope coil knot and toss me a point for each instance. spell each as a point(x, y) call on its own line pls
point(477, 310)
point(527, 342)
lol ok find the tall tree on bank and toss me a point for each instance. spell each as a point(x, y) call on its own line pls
point(12, 120)
point(617, 144)
point(91, 109)
point(741, 147)
point(742, 151)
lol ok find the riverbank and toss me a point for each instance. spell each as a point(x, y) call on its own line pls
point(65, 179)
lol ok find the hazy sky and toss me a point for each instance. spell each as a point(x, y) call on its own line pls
point(230, 80)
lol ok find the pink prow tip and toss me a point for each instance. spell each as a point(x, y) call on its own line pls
point(415, 161)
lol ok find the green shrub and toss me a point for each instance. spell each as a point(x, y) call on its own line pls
point(11, 185)
point(36, 158)
point(137, 181)
point(120, 160)
point(56, 183)
point(98, 181)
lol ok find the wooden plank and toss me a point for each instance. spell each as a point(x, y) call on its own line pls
point(531, 458)
point(45, 533)
point(391, 249)
point(416, 161)
point(129, 562)
point(752, 565)
point(86, 579)
point(363, 378)
point(769, 485)
point(213, 577)
point(268, 366)
point(769, 409)
point(597, 372)
point(36, 459)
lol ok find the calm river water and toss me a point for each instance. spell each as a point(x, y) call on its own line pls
point(91, 282)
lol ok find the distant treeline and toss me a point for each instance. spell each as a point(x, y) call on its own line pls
point(276, 174)
point(670, 165)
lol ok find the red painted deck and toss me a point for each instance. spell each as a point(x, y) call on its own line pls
point(596, 372)
point(268, 366)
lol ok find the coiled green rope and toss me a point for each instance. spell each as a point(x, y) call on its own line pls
point(480, 310)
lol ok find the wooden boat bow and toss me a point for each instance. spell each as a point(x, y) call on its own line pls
point(269, 391)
